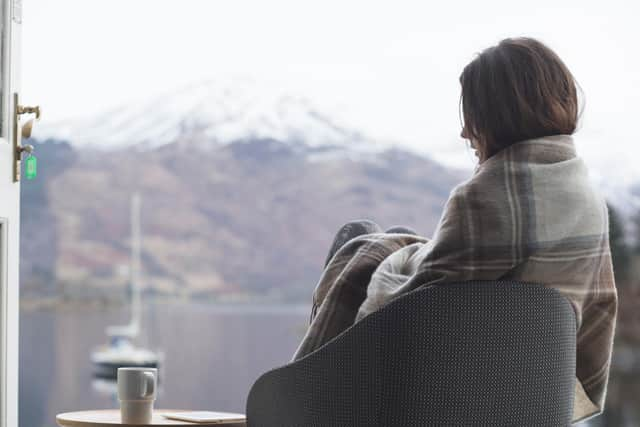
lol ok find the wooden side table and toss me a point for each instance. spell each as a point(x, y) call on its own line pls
point(111, 418)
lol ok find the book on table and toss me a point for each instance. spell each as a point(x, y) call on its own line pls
point(205, 417)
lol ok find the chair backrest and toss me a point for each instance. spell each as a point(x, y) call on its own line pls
point(494, 353)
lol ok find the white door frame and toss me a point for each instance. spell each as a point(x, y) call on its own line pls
point(9, 218)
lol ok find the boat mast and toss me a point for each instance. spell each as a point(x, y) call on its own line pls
point(135, 262)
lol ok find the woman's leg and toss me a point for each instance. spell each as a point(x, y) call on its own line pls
point(343, 284)
point(349, 231)
point(359, 227)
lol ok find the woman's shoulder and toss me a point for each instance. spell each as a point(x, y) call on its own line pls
point(537, 186)
point(538, 167)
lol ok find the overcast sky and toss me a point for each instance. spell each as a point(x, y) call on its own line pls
point(389, 68)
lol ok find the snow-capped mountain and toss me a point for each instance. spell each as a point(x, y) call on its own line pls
point(214, 111)
point(219, 112)
point(280, 170)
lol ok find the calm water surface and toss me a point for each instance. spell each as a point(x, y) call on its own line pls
point(212, 355)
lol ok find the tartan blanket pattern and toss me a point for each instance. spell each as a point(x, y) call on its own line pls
point(529, 213)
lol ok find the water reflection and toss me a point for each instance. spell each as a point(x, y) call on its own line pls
point(37, 368)
point(213, 354)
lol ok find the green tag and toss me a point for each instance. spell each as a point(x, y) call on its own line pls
point(31, 167)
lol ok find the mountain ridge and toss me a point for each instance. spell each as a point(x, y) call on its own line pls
point(242, 192)
point(212, 112)
point(246, 219)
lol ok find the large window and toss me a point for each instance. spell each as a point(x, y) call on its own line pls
point(196, 158)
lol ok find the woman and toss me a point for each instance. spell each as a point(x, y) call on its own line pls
point(528, 213)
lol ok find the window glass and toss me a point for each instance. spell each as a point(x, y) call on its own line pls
point(194, 163)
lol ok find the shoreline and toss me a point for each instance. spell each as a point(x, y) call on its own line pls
point(250, 305)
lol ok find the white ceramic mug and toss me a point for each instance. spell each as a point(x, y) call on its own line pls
point(136, 393)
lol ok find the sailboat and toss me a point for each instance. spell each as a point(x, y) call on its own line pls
point(121, 350)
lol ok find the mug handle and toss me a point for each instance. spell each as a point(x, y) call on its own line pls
point(149, 384)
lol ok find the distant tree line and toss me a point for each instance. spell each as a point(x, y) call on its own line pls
point(624, 250)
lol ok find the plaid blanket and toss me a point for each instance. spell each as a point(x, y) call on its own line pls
point(528, 213)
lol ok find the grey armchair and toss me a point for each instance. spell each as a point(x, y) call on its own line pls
point(459, 354)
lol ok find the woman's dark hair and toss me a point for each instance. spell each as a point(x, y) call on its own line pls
point(517, 90)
